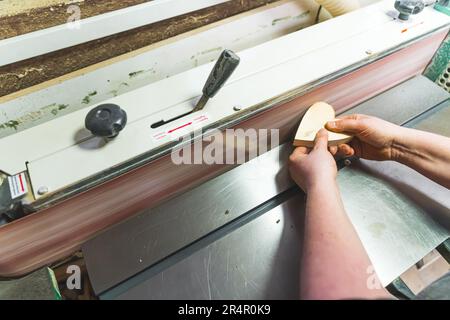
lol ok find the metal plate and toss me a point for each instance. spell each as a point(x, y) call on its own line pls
point(157, 233)
point(389, 214)
point(257, 261)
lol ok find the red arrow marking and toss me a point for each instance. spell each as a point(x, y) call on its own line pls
point(184, 125)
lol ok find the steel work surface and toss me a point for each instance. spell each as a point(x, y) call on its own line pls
point(225, 269)
point(155, 249)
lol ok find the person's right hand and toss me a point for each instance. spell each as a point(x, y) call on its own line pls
point(374, 138)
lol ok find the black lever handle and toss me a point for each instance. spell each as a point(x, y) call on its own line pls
point(106, 120)
point(224, 67)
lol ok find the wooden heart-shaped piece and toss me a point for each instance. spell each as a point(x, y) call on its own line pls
point(315, 119)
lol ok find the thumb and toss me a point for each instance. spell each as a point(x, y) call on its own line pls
point(321, 140)
point(345, 125)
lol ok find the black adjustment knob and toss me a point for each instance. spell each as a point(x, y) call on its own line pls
point(106, 120)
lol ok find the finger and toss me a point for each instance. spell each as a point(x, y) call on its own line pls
point(346, 125)
point(321, 140)
point(340, 153)
point(357, 147)
point(333, 150)
point(344, 151)
point(354, 116)
point(300, 151)
point(303, 150)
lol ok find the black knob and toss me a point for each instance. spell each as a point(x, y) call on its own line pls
point(106, 120)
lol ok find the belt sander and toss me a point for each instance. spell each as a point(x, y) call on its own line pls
point(66, 179)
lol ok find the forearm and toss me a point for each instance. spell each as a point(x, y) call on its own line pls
point(334, 262)
point(427, 153)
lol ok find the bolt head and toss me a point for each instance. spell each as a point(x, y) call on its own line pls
point(42, 190)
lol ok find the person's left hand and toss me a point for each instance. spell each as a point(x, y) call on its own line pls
point(313, 167)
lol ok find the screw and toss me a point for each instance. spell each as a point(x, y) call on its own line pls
point(42, 190)
point(237, 108)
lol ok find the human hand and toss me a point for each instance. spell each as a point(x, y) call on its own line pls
point(312, 167)
point(374, 138)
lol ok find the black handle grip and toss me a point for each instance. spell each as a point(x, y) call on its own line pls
point(106, 120)
point(224, 67)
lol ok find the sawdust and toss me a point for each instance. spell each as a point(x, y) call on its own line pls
point(12, 7)
point(87, 99)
